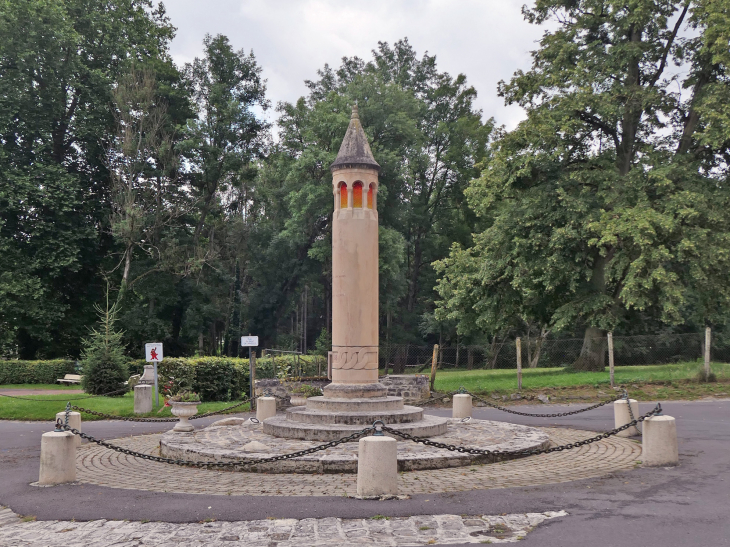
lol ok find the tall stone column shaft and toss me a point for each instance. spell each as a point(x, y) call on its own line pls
point(355, 284)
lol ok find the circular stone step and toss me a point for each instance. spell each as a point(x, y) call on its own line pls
point(405, 415)
point(279, 426)
point(354, 405)
point(226, 443)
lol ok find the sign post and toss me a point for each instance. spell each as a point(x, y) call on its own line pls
point(153, 354)
point(250, 342)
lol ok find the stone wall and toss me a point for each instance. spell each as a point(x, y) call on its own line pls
point(412, 387)
point(284, 391)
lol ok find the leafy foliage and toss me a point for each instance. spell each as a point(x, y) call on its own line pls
point(598, 209)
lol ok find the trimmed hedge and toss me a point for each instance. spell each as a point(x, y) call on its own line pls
point(213, 378)
point(35, 372)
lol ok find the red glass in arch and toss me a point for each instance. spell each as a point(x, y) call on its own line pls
point(357, 195)
point(370, 197)
point(343, 195)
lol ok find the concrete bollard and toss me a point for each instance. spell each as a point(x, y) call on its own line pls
point(377, 467)
point(74, 421)
point(461, 406)
point(142, 399)
point(265, 408)
point(58, 458)
point(621, 416)
point(659, 442)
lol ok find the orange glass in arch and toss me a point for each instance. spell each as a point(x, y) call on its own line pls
point(343, 195)
point(357, 195)
point(370, 197)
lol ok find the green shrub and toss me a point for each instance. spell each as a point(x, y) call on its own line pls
point(35, 372)
point(213, 378)
point(305, 366)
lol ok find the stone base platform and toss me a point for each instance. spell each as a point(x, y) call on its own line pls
point(222, 443)
point(332, 418)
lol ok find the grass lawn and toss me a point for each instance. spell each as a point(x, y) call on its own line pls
point(675, 381)
point(482, 381)
point(44, 407)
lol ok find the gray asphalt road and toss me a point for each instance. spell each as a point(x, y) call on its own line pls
point(686, 505)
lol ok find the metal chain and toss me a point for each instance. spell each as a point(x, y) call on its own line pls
point(218, 465)
point(438, 398)
point(521, 453)
point(628, 403)
point(63, 398)
point(160, 420)
point(556, 415)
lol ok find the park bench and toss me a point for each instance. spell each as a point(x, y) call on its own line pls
point(70, 379)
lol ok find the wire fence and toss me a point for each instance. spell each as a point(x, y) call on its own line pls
point(556, 352)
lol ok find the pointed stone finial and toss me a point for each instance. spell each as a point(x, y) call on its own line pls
point(355, 151)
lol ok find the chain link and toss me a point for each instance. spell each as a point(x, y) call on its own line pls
point(555, 415)
point(499, 454)
point(125, 390)
point(521, 453)
point(218, 465)
point(159, 420)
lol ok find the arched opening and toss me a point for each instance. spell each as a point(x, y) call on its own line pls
point(357, 195)
point(343, 195)
point(371, 191)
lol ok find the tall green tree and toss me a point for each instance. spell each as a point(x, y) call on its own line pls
point(59, 60)
point(608, 204)
point(222, 146)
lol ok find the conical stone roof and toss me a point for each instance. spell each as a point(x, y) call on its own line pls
point(355, 150)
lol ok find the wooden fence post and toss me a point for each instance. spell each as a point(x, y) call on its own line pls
point(610, 356)
point(518, 342)
point(434, 363)
point(708, 345)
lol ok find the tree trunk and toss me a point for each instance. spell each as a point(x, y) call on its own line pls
point(469, 359)
point(593, 353)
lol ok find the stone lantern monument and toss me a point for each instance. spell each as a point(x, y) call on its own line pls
point(354, 357)
point(355, 398)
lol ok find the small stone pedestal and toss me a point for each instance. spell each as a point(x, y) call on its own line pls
point(659, 442)
point(377, 467)
point(461, 406)
point(74, 422)
point(58, 458)
point(142, 399)
point(265, 408)
point(622, 417)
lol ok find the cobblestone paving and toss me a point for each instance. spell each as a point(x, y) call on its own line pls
point(105, 467)
point(324, 532)
point(216, 443)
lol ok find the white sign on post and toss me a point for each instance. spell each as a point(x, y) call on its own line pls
point(249, 341)
point(153, 352)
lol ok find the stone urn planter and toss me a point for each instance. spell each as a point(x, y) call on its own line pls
point(184, 410)
point(298, 400)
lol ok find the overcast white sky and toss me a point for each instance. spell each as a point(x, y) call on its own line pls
point(485, 39)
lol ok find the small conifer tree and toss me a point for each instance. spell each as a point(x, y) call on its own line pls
point(104, 365)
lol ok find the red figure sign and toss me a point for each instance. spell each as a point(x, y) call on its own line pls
point(153, 352)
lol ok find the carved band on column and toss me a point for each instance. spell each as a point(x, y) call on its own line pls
point(355, 358)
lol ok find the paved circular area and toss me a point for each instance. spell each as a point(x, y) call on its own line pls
point(105, 467)
point(248, 442)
